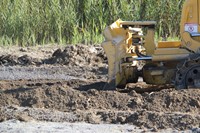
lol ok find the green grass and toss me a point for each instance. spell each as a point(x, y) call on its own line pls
point(33, 22)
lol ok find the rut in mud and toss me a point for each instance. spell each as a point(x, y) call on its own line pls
point(86, 97)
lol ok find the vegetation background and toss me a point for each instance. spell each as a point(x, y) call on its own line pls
point(33, 22)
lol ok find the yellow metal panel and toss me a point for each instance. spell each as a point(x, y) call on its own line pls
point(138, 23)
point(150, 45)
point(170, 51)
point(109, 49)
point(169, 57)
point(190, 43)
point(190, 12)
point(199, 11)
point(169, 44)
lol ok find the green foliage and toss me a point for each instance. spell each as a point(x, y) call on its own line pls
point(31, 22)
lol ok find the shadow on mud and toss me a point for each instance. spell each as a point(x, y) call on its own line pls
point(137, 87)
point(18, 90)
point(101, 86)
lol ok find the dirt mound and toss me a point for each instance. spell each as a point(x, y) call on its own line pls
point(164, 109)
point(71, 55)
point(80, 55)
point(87, 96)
point(11, 60)
point(58, 94)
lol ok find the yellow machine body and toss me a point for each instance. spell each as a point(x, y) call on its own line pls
point(132, 53)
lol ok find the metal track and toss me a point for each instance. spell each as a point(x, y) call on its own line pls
point(188, 74)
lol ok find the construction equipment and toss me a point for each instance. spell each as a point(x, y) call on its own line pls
point(132, 53)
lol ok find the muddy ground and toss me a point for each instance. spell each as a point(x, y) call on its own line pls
point(69, 84)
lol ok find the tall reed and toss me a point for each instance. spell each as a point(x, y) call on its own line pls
point(28, 22)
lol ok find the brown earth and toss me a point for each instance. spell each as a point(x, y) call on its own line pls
point(87, 97)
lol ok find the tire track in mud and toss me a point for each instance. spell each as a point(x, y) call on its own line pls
point(36, 73)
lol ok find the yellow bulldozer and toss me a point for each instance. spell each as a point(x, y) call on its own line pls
point(132, 52)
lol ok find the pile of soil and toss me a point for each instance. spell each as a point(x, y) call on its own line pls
point(167, 108)
point(88, 98)
point(79, 55)
point(71, 55)
point(12, 60)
